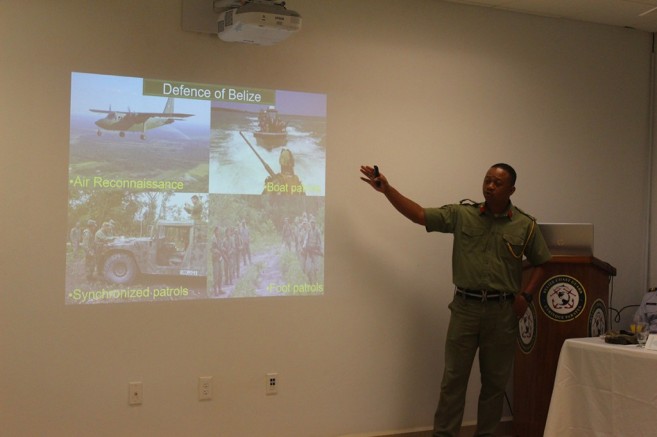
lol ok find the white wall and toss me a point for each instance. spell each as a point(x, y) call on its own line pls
point(432, 92)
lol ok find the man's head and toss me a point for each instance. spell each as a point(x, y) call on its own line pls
point(499, 185)
point(508, 169)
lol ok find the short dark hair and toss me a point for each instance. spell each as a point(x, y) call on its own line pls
point(507, 168)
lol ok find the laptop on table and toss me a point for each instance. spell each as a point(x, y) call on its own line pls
point(568, 239)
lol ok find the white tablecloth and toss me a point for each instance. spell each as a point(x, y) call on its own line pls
point(602, 389)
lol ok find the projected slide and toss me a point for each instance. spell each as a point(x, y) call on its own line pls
point(181, 190)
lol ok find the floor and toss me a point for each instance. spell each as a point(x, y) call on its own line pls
point(504, 430)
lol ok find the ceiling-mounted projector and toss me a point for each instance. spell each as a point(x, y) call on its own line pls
point(258, 22)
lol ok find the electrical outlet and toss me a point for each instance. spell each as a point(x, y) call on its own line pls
point(204, 388)
point(272, 384)
point(135, 393)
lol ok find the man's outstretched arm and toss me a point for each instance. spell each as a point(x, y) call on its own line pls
point(408, 208)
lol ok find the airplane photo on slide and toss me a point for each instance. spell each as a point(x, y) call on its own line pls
point(119, 133)
point(137, 121)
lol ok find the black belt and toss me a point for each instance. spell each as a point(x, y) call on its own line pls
point(483, 295)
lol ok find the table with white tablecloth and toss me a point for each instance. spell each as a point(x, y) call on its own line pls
point(603, 389)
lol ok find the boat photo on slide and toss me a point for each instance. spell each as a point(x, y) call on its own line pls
point(272, 131)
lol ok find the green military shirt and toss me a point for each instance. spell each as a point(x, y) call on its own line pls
point(102, 236)
point(195, 211)
point(489, 249)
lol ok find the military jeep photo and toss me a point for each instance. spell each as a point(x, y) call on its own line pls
point(175, 248)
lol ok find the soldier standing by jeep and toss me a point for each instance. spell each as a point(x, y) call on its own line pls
point(102, 237)
point(88, 247)
point(75, 236)
point(195, 210)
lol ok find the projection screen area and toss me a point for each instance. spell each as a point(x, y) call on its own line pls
point(182, 190)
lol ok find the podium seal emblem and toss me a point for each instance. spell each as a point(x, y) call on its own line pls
point(597, 319)
point(527, 330)
point(562, 298)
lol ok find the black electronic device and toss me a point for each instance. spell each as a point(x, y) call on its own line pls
point(376, 175)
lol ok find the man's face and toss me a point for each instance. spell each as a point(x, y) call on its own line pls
point(497, 187)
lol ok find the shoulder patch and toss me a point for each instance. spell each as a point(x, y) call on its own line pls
point(468, 202)
point(525, 214)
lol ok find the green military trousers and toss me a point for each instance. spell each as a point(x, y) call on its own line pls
point(491, 327)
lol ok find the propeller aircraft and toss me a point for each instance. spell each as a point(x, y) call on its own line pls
point(137, 121)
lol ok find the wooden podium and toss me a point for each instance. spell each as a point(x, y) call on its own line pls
point(571, 302)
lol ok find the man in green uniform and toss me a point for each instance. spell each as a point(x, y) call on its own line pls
point(217, 257)
point(491, 239)
point(89, 247)
point(312, 250)
point(102, 237)
point(75, 237)
point(195, 209)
